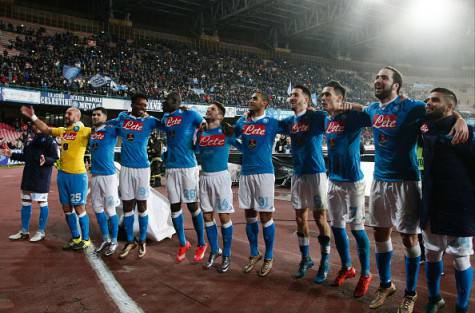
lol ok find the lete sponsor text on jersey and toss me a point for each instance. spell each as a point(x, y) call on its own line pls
point(173, 121)
point(300, 127)
point(212, 140)
point(384, 121)
point(335, 127)
point(133, 125)
point(254, 130)
point(97, 136)
point(69, 135)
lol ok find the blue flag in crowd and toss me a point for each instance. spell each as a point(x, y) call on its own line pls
point(70, 72)
point(99, 80)
point(314, 98)
point(116, 87)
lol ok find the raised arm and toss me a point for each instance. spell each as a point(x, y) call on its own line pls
point(29, 112)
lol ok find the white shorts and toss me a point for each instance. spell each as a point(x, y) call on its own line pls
point(105, 193)
point(134, 183)
point(216, 193)
point(257, 192)
point(309, 191)
point(346, 204)
point(395, 204)
point(182, 185)
point(33, 196)
point(456, 246)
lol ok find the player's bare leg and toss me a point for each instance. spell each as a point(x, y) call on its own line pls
point(324, 239)
point(301, 217)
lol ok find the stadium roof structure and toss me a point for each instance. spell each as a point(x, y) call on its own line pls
point(335, 28)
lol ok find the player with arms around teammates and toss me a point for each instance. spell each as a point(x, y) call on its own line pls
point(72, 177)
point(180, 125)
point(104, 182)
point(309, 180)
point(346, 190)
point(134, 129)
point(213, 144)
point(257, 132)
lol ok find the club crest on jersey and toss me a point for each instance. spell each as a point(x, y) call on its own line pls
point(97, 136)
point(300, 127)
point(130, 137)
point(69, 136)
point(254, 130)
point(76, 128)
point(212, 141)
point(384, 121)
point(173, 121)
point(332, 143)
point(252, 143)
point(335, 127)
point(424, 128)
point(133, 125)
point(382, 139)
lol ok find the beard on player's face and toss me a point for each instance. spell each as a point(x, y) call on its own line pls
point(435, 112)
point(382, 91)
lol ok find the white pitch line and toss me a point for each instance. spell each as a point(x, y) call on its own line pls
point(112, 286)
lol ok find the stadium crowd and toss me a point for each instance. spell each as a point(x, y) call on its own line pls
point(156, 67)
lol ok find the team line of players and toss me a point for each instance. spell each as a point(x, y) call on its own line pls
point(394, 199)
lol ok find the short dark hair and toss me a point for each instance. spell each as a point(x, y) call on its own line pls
point(220, 106)
point(137, 96)
point(104, 111)
point(397, 76)
point(337, 86)
point(446, 92)
point(175, 96)
point(264, 96)
point(305, 90)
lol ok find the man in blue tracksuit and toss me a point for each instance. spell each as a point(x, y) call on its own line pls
point(39, 155)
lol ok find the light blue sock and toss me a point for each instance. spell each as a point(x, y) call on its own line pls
point(43, 217)
point(129, 218)
point(177, 219)
point(384, 252)
point(114, 227)
point(342, 245)
point(227, 233)
point(433, 274)
point(84, 223)
point(268, 230)
point(71, 219)
point(102, 221)
point(364, 250)
point(252, 232)
point(199, 223)
point(212, 233)
point(143, 226)
point(25, 216)
point(464, 282)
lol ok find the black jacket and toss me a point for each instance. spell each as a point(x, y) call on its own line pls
point(37, 178)
point(449, 181)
